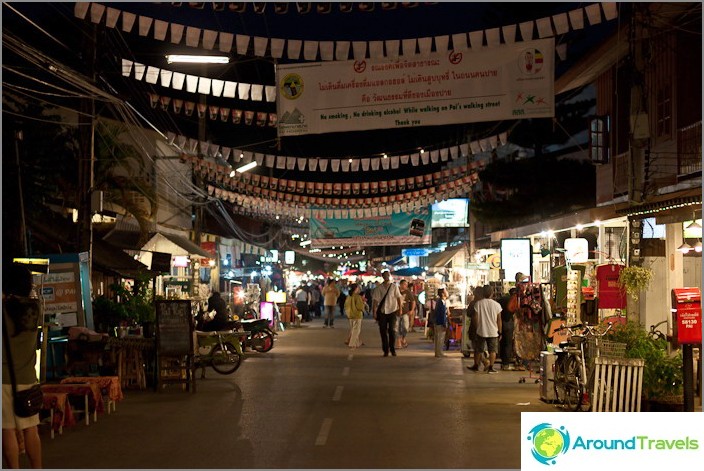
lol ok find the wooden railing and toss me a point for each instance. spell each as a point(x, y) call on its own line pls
point(689, 149)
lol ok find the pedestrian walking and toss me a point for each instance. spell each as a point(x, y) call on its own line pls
point(440, 327)
point(354, 308)
point(386, 301)
point(488, 329)
point(330, 294)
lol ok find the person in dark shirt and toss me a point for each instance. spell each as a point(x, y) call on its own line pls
point(506, 344)
point(220, 321)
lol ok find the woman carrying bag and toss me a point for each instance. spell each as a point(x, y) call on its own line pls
point(21, 317)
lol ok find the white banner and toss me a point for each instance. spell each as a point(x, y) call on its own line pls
point(507, 82)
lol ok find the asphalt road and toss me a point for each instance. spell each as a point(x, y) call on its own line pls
point(312, 402)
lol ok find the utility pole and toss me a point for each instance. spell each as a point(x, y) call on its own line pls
point(86, 162)
point(23, 222)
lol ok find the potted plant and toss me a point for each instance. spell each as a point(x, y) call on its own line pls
point(139, 303)
point(635, 279)
point(662, 373)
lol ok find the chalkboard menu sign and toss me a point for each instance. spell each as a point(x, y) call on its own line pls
point(174, 327)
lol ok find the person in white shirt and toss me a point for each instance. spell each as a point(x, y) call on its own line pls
point(488, 329)
point(386, 302)
point(302, 301)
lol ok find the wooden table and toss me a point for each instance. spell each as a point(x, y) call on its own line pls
point(129, 356)
point(60, 411)
point(92, 397)
point(109, 387)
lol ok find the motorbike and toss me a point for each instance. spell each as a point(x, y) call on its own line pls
point(260, 338)
point(220, 349)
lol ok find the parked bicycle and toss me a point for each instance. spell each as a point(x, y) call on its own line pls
point(220, 349)
point(573, 376)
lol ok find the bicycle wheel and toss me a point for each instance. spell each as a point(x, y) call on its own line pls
point(227, 360)
point(574, 388)
point(559, 380)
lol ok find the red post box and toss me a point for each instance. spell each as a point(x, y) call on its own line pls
point(687, 312)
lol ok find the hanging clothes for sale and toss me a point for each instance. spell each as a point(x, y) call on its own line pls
point(529, 321)
point(610, 293)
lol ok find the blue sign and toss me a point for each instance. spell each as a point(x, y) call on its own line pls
point(414, 252)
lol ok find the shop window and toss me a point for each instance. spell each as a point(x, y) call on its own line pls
point(599, 139)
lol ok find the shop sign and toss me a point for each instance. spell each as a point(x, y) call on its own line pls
point(414, 252)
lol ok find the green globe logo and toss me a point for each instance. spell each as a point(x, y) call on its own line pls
point(548, 443)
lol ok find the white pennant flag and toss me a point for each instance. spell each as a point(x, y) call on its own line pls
point(526, 30)
point(327, 50)
point(111, 17)
point(394, 161)
point(392, 47)
point(126, 67)
point(257, 92)
point(127, 21)
point(484, 144)
point(192, 36)
point(359, 50)
point(260, 45)
point(139, 70)
point(442, 43)
point(434, 156)
point(414, 159)
point(277, 48)
point(301, 163)
point(259, 158)
point(225, 42)
point(509, 32)
point(152, 74)
point(204, 86)
point(247, 157)
point(404, 159)
point(424, 157)
point(160, 28)
point(424, 45)
point(365, 165)
point(385, 163)
point(242, 42)
point(376, 49)
point(230, 89)
point(561, 23)
point(355, 165)
point(345, 164)
point(577, 18)
point(409, 47)
point(145, 23)
point(476, 39)
point(312, 164)
point(209, 37)
point(610, 10)
point(593, 13)
point(243, 91)
point(459, 41)
point(474, 145)
point(493, 37)
point(454, 152)
point(375, 164)
point(494, 140)
point(191, 83)
point(226, 151)
point(176, 33)
point(178, 80)
point(335, 165)
point(342, 50)
point(464, 149)
point(96, 12)
point(310, 50)
point(270, 92)
point(181, 141)
point(443, 154)
point(503, 138)
point(270, 160)
point(544, 27)
point(218, 85)
point(80, 9)
point(293, 49)
point(323, 164)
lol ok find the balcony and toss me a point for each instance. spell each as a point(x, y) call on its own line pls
point(689, 150)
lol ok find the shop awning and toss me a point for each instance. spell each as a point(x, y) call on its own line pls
point(441, 259)
point(110, 259)
point(175, 245)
